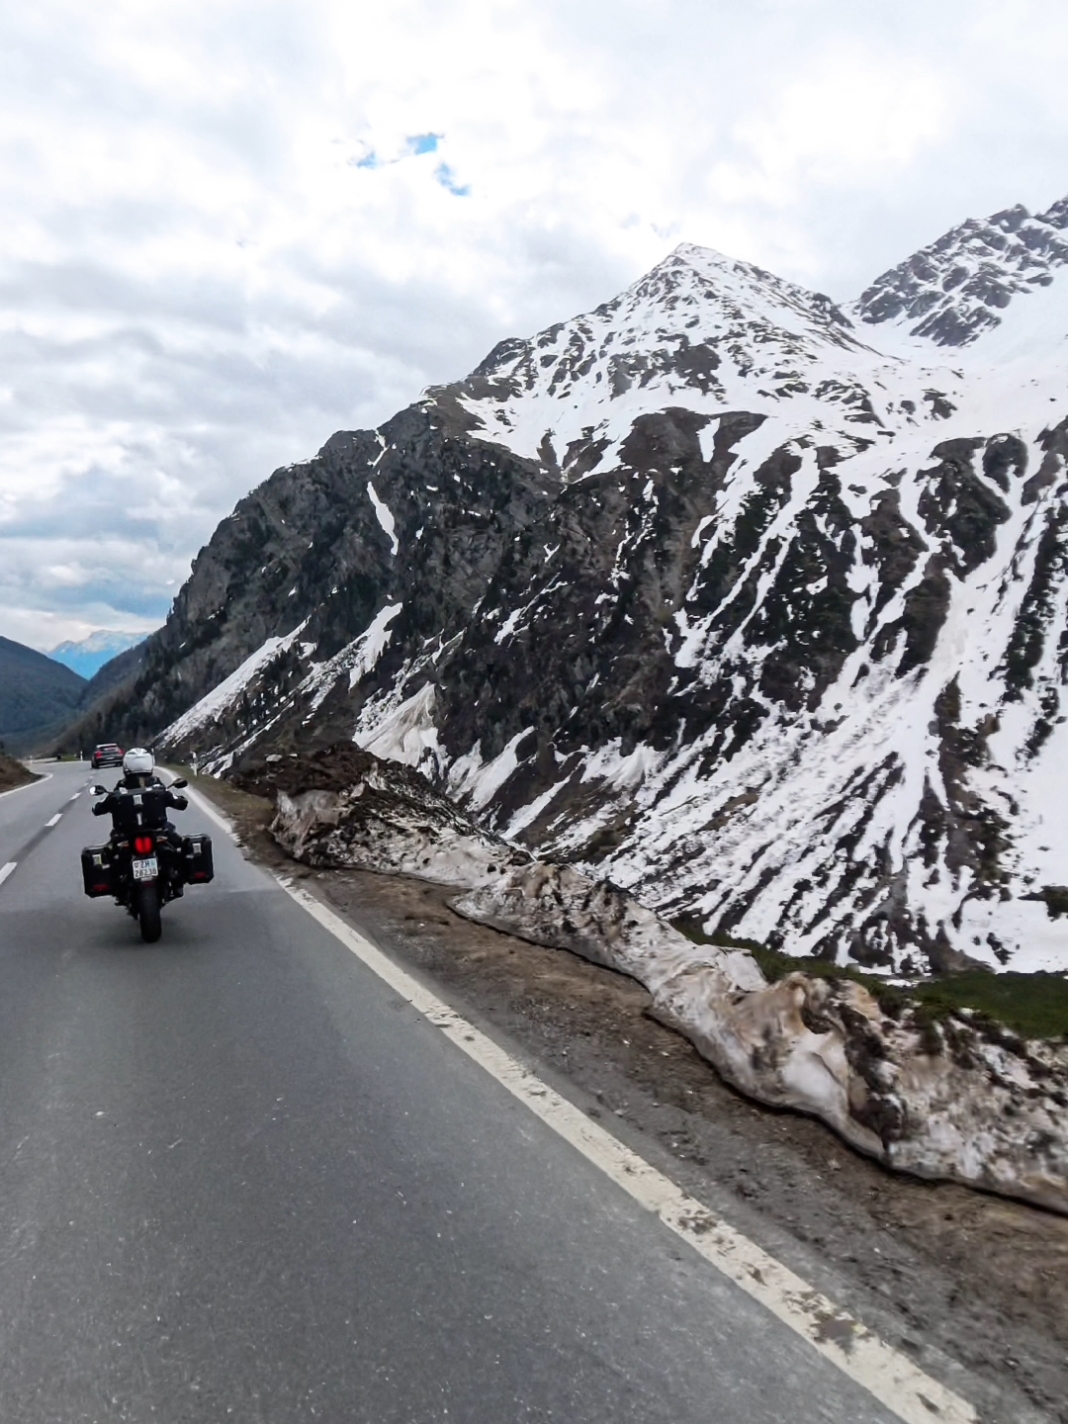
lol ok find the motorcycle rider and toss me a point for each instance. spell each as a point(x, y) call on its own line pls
point(140, 799)
point(139, 774)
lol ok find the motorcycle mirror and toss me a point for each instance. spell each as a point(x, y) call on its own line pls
point(99, 790)
point(180, 783)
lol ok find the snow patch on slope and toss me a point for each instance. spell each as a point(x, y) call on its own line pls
point(404, 732)
point(355, 660)
point(222, 697)
point(385, 517)
point(476, 782)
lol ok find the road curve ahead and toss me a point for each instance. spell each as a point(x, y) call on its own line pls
point(240, 1178)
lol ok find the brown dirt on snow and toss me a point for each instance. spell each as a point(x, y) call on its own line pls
point(13, 773)
point(332, 768)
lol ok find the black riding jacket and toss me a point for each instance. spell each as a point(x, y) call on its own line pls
point(135, 806)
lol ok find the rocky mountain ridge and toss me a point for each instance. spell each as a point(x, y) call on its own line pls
point(753, 603)
point(954, 289)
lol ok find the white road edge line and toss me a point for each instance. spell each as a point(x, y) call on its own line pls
point(212, 811)
point(887, 1374)
point(54, 821)
point(6, 870)
point(884, 1372)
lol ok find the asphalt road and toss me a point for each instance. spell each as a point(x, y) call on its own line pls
point(241, 1179)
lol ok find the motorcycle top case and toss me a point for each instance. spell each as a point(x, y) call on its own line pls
point(133, 811)
point(198, 860)
point(96, 871)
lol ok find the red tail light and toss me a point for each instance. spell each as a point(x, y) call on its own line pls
point(143, 845)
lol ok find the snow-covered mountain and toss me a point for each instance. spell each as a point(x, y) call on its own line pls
point(89, 655)
point(755, 604)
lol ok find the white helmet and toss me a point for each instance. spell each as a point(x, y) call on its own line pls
point(138, 762)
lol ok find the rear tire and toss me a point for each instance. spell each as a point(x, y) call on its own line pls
point(148, 912)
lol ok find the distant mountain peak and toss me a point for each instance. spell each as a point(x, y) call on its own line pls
point(87, 656)
point(955, 289)
point(712, 265)
point(700, 329)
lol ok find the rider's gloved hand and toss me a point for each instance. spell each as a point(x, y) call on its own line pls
point(100, 809)
point(180, 803)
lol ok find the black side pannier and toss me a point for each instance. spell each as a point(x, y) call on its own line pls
point(197, 859)
point(96, 870)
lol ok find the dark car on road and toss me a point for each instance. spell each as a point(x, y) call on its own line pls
point(106, 754)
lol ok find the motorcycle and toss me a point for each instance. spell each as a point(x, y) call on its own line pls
point(146, 863)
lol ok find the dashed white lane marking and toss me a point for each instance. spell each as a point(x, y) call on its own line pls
point(6, 870)
point(888, 1375)
point(57, 817)
point(884, 1372)
point(75, 796)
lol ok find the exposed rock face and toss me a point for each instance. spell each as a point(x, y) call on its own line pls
point(758, 611)
point(955, 1100)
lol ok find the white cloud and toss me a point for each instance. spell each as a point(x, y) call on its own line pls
point(855, 115)
point(198, 283)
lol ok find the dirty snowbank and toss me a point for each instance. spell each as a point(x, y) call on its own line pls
point(345, 806)
point(960, 1100)
point(14, 773)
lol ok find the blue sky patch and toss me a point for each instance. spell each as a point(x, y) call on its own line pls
point(414, 146)
point(445, 176)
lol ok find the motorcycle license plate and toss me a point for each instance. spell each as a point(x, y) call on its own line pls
point(147, 869)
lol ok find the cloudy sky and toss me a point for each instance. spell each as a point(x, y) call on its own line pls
point(231, 228)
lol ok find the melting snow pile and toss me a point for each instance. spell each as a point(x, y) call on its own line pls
point(344, 806)
point(960, 1099)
